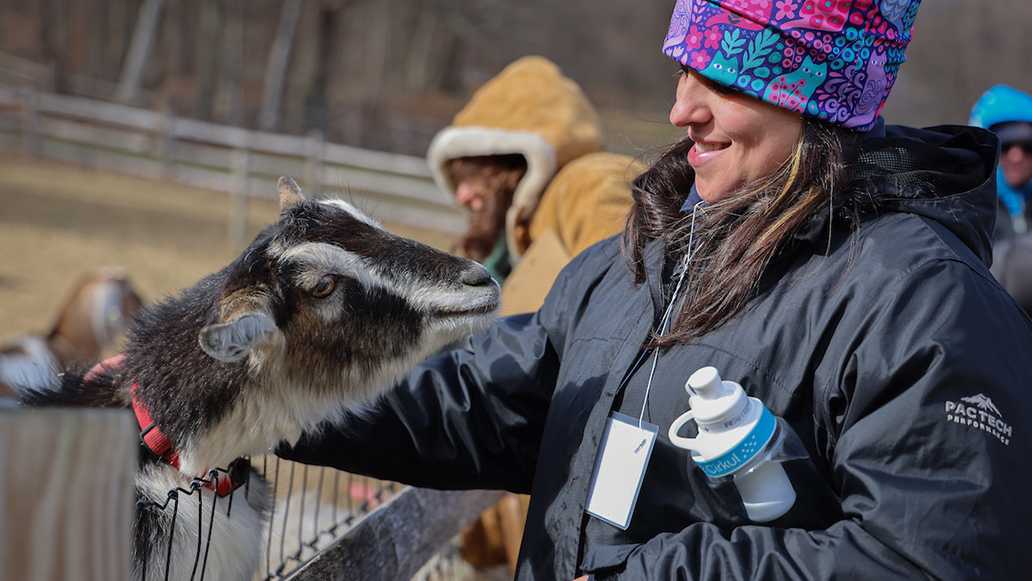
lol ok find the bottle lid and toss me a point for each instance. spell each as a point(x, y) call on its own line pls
point(713, 399)
point(705, 382)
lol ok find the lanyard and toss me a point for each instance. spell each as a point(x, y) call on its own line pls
point(664, 323)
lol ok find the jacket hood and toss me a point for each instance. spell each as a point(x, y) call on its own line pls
point(531, 109)
point(944, 173)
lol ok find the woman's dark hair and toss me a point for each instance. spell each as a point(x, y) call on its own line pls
point(736, 238)
point(496, 177)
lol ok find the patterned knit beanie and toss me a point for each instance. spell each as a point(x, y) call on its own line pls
point(834, 60)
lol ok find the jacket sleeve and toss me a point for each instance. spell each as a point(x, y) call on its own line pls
point(468, 418)
point(928, 489)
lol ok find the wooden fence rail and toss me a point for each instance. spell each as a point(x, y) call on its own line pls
point(397, 539)
point(238, 161)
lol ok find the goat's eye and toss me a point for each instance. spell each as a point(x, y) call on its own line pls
point(324, 287)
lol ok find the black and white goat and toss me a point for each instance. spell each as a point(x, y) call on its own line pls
point(322, 311)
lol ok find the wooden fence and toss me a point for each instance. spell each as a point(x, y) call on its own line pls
point(66, 494)
point(67, 497)
point(241, 162)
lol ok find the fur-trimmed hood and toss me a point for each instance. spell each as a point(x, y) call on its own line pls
point(531, 109)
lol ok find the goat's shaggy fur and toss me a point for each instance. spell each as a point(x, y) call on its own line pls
point(324, 310)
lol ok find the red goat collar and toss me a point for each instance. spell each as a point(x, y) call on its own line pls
point(161, 446)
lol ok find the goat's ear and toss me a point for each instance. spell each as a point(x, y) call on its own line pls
point(232, 341)
point(289, 193)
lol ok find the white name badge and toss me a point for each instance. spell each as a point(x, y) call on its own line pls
point(620, 469)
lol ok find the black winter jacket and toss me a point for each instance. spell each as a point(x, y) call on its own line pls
point(887, 347)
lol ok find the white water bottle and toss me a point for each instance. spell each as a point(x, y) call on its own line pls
point(735, 431)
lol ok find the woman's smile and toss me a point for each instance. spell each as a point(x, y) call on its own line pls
point(703, 152)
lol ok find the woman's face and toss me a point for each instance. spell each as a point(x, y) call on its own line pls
point(480, 178)
point(738, 139)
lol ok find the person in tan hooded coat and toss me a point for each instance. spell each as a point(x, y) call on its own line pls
point(524, 156)
point(526, 149)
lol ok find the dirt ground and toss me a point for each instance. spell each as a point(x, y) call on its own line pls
point(58, 221)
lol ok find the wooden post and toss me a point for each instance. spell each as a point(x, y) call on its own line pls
point(165, 145)
point(314, 154)
point(66, 494)
point(30, 124)
point(238, 210)
point(276, 71)
point(139, 50)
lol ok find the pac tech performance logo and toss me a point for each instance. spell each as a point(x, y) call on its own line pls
point(978, 411)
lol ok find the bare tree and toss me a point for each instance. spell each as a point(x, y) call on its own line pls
point(139, 50)
point(279, 59)
point(53, 32)
point(316, 105)
point(212, 51)
point(230, 106)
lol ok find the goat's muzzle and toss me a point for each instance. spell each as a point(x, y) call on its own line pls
point(478, 294)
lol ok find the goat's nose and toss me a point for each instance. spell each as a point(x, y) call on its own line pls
point(476, 276)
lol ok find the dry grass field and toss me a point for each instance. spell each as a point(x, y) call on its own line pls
point(58, 221)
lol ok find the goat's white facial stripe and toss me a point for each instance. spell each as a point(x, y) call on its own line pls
point(327, 258)
point(351, 209)
point(422, 295)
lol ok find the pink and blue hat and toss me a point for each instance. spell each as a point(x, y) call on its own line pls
point(834, 60)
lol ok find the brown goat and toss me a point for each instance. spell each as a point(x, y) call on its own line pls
point(92, 317)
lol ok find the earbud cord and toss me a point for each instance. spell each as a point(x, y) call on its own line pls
point(669, 310)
